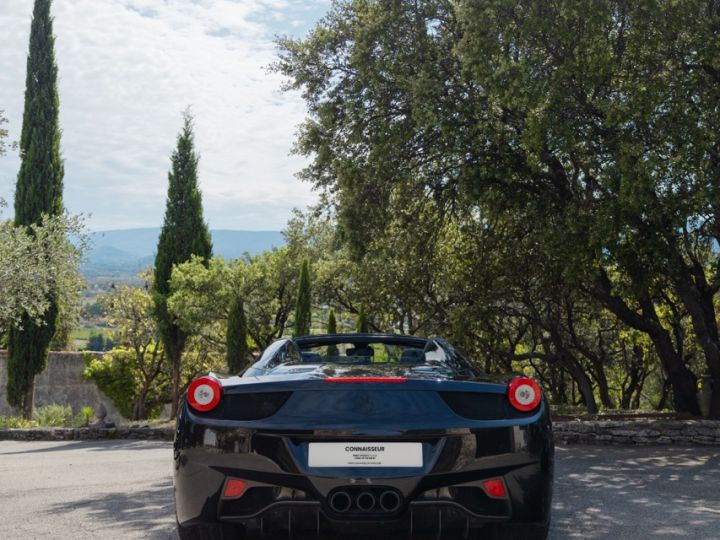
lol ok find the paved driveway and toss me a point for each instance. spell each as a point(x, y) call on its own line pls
point(123, 490)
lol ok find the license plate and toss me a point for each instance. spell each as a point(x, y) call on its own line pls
point(373, 454)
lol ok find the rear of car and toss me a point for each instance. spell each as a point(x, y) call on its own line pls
point(323, 436)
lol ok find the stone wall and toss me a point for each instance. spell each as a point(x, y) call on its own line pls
point(60, 383)
point(679, 432)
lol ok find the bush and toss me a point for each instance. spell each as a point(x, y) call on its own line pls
point(118, 376)
point(53, 415)
point(13, 422)
point(87, 414)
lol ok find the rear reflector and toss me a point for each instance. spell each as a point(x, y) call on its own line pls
point(234, 488)
point(365, 379)
point(204, 394)
point(495, 488)
point(524, 394)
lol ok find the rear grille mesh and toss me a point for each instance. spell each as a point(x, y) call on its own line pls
point(481, 405)
point(251, 406)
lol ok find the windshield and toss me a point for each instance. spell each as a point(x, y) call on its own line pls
point(361, 353)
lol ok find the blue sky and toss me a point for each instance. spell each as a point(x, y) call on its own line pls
point(128, 68)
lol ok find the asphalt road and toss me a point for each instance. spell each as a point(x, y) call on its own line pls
point(123, 490)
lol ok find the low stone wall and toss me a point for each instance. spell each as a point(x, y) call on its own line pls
point(60, 383)
point(654, 432)
point(87, 434)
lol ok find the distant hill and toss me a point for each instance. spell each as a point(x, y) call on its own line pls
point(123, 253)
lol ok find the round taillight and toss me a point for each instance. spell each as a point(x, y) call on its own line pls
point(204, 394)
point(524, 394)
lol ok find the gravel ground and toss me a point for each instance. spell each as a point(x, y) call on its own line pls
point(123, 490)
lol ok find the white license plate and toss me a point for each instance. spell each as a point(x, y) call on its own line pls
point(372, 454)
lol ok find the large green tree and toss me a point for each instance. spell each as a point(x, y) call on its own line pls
point(184, 234)
point(303, 305)
point(585, 132)
point(202, 296)
point(38, 192)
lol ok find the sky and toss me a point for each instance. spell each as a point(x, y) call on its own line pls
point(127, 71)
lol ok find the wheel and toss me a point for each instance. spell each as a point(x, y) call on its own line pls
point(509, 531)
point(220, 531)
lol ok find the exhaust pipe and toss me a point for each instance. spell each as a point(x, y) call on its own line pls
point(390, 501)
point(340, 502)
point(365, 501)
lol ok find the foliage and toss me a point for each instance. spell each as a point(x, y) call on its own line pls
point(184, 234)
point(201, 296)
point(4, 135)
point(87, 414)
point(53, 415)
point(362, 322)
point(303, 307)
point(236, 345)
point(332, 350)
point(38, 192)
point(16, 422)
point(36, 262)
point(99, 342)
point(538, 180)
point(116, 375)
point(332, 324)
point(130, 311)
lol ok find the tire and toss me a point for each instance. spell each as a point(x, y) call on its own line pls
point(220, 531)
point(507, 531)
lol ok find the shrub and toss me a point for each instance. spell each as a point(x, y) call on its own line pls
point(118, 375)
point(11, 422)
point(113, 374)
point(53, 415)
point(87, 413)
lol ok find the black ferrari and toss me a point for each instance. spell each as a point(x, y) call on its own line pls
point(343, 434)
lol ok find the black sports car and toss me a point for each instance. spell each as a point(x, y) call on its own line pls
point(364, 433)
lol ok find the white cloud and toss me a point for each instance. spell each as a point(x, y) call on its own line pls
point(128, 68)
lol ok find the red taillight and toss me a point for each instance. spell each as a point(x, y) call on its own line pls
point(365, 379)
point(524, 394)
point(204, 394)
point(495, 488)
point(234, 488)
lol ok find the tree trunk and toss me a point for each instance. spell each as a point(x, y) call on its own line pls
point(140, 409)
point(603, 387)
point(175, 363)
point(683, 380)
point(663, 397)
point(29, 401)
point(584, 383)
point(698, 299)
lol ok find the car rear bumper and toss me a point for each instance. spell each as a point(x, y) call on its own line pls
point(284, 491)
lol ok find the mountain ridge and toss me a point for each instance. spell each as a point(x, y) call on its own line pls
point(122, 253)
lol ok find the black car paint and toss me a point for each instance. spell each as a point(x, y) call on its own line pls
point(270, 450)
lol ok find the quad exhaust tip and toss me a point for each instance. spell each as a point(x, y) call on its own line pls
point(390, 501)
point(340, 502)
point(365, 501)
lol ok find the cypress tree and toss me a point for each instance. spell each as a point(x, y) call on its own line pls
point(332, 324)
point(303, 307)
point(362, 323)
point(184, 234)
point(236, 337)
point(332, 350)
point(38, 191)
